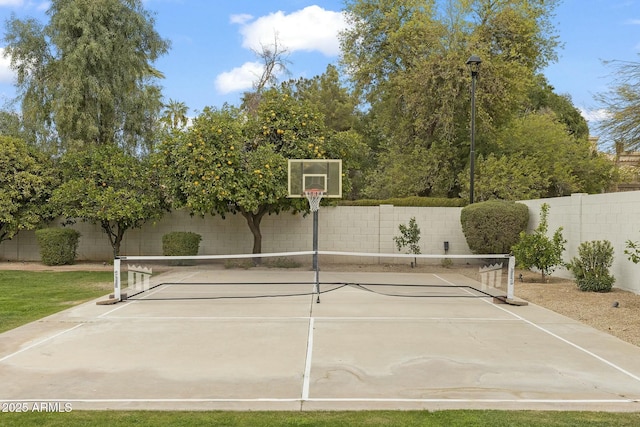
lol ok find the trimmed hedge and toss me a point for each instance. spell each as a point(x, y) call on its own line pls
point(58, 246)
point(180, 243)
point(494, 226)
point(421, 202)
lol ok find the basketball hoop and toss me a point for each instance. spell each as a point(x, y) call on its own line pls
point(314, 197)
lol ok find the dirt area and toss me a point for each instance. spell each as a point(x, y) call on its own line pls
point(616, 312)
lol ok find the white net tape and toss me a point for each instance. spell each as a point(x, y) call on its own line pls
point(314, 197)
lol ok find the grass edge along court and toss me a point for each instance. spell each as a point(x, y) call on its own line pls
point(449, 418)
point(26, 296)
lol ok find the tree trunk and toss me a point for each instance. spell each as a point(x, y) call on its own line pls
point(115, 237)
point(253, 220)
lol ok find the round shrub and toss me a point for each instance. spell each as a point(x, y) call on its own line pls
point(180, 243)
point(58, 246)
point(591, 267)
point(494, 226)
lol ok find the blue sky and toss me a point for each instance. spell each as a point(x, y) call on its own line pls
point(211, 59)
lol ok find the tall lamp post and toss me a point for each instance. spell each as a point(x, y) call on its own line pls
point(474, 66)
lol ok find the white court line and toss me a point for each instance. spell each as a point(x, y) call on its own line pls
point(564, 340)
point(29, 347)
point(329, 399)
point(306, 383)
point(322, 318)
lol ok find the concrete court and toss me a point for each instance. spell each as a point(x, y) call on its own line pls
point(354, 350)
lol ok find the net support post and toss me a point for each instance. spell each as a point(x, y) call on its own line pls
point(511, 278)
point(117, 290)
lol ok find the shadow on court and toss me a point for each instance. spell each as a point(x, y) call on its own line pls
point(369, 344)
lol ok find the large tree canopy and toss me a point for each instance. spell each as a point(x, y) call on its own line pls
point(26, 182)
point(407, 58)
point(230, 160)
point(112, 188)
point(534, 156)
point(621, 126)
point(87, 76)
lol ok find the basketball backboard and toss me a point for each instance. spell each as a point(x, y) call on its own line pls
point(315, 174)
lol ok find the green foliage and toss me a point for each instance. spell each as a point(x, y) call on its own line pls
point(539, 251)
point(414, 201)
point(534, 156)
point(622, 103)
point(493, 227)
point(632, 250)
point(27, 179)
point(231, 161)
point(180, 243)
point(58, 246)
point(406, 59)
point(409, 237)
point(87, 75)
point(109, 187)
point(591, 267)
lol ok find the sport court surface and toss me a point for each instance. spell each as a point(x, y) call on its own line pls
point(354, 350)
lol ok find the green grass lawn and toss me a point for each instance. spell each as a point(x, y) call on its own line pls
point(28, 296)
point(324, 419)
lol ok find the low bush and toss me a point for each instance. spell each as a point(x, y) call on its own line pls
point(181, 243)
point(591, 267)
point(58, 246)
point(494, 226)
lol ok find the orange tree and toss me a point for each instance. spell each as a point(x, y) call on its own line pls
point(105, 185)
point(231, 161)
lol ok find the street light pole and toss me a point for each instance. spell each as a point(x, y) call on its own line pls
point(474, 66)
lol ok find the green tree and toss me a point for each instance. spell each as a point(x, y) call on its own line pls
point(174, 115)
point(622, 104)
point(233, 161)
point(27, 179)
point(538, 158)
point(112, 188)
point(333, 99)
point(87, 76)
point(537, 250)
point(407, 59)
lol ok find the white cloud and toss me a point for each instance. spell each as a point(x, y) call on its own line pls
point(309, 29)
point(241, 19)
point(4, 3)
point(6, 73)
point(594, 116)
point(240, 78)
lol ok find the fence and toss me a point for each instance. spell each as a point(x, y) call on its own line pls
point(612, 216)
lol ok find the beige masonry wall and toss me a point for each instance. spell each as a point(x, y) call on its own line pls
point(612, 216)
point(344, 228)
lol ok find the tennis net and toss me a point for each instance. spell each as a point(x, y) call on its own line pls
point(291, 274)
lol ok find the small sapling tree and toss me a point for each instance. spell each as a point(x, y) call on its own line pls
point(537, 250)
point(409, 238)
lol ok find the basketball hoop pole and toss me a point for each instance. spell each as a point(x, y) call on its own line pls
point(314, 197)
point(316, 269)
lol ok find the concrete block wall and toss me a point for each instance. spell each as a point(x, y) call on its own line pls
point(612, 216)
point(344, 228)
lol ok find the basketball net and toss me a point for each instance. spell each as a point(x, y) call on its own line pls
point(314, 197)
